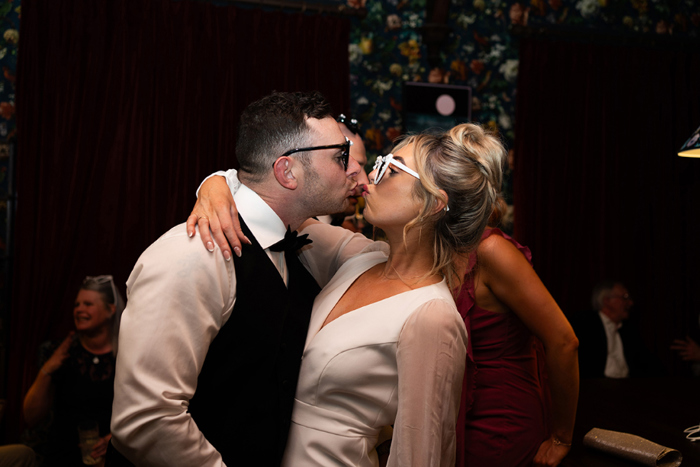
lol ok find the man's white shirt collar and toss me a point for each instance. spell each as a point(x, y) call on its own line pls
point(608, 323)
point(263, 222)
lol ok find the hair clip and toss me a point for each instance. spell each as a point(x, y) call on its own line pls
point(350, 123)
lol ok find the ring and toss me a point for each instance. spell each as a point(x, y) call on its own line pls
point(202, 217)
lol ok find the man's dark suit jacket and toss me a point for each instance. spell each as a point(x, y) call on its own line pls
point(593, 348)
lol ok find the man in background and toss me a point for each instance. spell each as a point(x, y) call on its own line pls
point(609, 347)
point(351, 218)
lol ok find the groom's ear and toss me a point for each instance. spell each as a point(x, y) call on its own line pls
point(284, 171)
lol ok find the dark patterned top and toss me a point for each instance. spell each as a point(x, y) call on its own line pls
point(84, 389)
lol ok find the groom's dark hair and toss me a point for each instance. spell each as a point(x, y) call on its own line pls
point(273, 125)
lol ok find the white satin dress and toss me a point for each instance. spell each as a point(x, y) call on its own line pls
point(399, 361)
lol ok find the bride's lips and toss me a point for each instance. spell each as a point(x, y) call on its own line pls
point(364, 190)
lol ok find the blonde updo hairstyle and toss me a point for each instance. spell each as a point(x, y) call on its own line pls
point(467, 164)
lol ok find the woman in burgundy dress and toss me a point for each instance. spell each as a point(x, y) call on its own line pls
point(516, 329)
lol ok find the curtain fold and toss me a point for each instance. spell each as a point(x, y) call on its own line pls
point(599, 191)
point(122, 108)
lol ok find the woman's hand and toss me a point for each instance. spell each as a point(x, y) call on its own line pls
point(687, 348)
point(550, 453)
point(58, 357)
point(215, 213)
point(100, 447)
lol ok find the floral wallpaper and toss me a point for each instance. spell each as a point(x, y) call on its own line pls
point(386, 49)
point(9, 41)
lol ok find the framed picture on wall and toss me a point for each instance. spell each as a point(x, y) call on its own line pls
point(435, 107)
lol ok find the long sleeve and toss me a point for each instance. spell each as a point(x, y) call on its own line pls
point(332, 246)
point(431, 356)
point(179, 296)
point(231, 176)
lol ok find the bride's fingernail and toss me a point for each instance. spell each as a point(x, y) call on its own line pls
point(210, 246)
point(237, 251)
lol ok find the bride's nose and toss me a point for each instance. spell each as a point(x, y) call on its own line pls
point(372, 176)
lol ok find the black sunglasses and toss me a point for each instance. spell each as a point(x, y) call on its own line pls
point(350, 123)
point(344, 146)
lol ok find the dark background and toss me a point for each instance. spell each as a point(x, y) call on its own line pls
point(599, 191)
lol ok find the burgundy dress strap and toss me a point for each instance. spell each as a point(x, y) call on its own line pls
point(523, 249)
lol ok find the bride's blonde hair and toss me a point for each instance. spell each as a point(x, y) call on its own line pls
point(467, 164)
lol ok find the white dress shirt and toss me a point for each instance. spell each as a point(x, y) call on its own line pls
point(264, 224)
point(615, 365)
point(179, 297)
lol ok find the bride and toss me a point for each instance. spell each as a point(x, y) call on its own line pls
point(386, 345)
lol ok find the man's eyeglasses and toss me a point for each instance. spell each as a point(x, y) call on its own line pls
point(350, 123)
point(345, 154)
point(382, 164)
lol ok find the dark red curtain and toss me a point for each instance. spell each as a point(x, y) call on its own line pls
point(123, 107)
point(599, 190)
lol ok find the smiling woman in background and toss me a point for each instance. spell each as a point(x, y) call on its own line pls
point(76, 382)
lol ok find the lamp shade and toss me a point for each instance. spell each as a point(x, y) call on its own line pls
point(691, 148)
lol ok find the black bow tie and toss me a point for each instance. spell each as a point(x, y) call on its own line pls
point(292, 241)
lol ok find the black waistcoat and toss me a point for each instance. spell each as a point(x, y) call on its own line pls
point(245, 391)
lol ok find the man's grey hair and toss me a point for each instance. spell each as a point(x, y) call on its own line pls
point(600, 292)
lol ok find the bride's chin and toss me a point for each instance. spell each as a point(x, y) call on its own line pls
point(381, 220)
point(370, 217)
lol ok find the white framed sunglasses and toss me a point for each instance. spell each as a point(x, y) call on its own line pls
point(103, 280)
point(382, 164)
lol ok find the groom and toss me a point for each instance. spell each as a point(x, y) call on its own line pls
point(210, 349)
